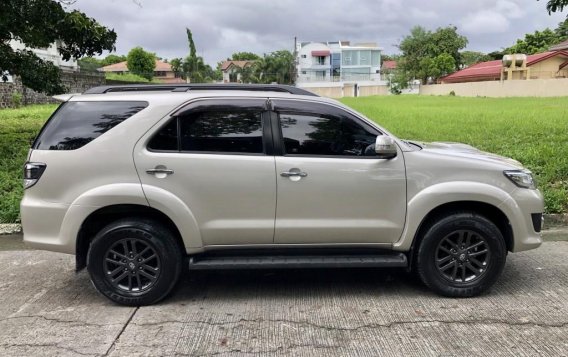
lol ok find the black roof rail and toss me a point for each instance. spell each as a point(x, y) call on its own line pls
point(184, 87)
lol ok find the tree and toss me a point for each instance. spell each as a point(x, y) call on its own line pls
point(422, 52)
point(141, 63)
point(38, 24)
point(89, 64)
point(539, 41)
point(112, 59)
point(472, 57)
point(556, 5)
point(193, 67)
point(248, 74)
point(496, 55)
point(276, 67)
point(176, 64)
point(244, 56)
point(562, 29)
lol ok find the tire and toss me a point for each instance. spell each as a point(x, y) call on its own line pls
point(134, 262)
point(448, 269)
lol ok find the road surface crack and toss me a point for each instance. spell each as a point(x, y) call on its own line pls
point(112, 346)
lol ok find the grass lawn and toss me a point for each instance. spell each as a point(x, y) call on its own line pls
point(17, 127)
point(531, 130)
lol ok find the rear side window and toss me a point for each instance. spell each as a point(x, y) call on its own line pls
point(216, 131)
point(75, 124)
point(222, 131)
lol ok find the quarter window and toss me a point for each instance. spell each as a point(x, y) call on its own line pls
point(166, 139)
point(322, 135)
point(75, 124)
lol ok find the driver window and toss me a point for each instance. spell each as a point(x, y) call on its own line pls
point(324, 135)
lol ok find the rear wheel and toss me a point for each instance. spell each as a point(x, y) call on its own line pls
point(134, 262)
point(461, 255)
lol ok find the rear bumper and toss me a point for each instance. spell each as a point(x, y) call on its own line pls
point(41, 225)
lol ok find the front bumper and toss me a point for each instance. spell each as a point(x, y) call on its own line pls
point(522, 208)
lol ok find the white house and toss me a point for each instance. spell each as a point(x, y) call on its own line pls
point(338, 61)
point(50, 54)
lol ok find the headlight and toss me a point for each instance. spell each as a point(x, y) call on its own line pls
point(521, 178)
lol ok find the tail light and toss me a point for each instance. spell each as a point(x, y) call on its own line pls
point(32, 173)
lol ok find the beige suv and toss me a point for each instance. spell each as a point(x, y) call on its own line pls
point(141, 181)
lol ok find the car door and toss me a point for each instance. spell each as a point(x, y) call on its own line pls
point(215, 155)
point(331, 187)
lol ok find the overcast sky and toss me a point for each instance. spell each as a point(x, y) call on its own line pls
point(221, 27)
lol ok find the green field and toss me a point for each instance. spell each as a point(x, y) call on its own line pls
point(531, 130)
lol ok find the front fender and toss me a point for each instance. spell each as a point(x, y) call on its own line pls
point(436, 195)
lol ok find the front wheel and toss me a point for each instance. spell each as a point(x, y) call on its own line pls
point(134, 262)
point(461, 255)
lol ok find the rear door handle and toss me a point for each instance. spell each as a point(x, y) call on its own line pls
point(293, 173)
point(159, 171)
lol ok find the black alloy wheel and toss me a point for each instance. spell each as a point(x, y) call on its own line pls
point(462, 256)
point(132, 264)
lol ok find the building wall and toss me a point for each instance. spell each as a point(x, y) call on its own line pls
point(340, 90)
point(548, 69)
point(357, 63)
point(50, 54)
point(496, 89)
point(365, 91)
point(76, 82)
point(308, 66)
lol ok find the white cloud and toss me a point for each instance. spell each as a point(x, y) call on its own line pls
point(485, 22)
point(509, 9)
point(420, 14)
point(221, 27)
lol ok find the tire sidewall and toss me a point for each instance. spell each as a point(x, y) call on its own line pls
point(159, 238)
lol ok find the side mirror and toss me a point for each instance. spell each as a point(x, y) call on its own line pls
point(385, 147)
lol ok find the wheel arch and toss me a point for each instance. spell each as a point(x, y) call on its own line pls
point(98, 219)
point(487, 210)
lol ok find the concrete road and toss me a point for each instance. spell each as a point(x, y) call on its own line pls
point(48, 310)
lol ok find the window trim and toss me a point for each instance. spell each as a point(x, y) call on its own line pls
point(267, 137)
point(279, 137)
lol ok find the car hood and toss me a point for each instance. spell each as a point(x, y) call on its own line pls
point(467, 151)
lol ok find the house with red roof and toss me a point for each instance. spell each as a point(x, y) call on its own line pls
point(547, 65)
point(162, 71)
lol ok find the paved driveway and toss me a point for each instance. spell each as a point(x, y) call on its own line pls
point(48, 310)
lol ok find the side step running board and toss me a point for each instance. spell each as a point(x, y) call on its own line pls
point(396, 260)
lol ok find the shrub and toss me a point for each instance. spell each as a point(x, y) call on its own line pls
point(16, 100)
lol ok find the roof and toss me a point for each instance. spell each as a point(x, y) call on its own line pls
point(122, 67)
point(321, 53)
point(561, 46)
point(389, 65)
point(241, 64)
point(492, 69)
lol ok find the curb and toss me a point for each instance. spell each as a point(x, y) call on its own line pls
point(11, 228)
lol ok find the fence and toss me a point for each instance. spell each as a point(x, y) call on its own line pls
point(76, 82)
point(340, 90)
point(514, 88)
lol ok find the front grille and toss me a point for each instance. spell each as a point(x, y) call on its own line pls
point(537, 221)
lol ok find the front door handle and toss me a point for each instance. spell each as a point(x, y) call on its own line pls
point(294, 174)
point(159, 171)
